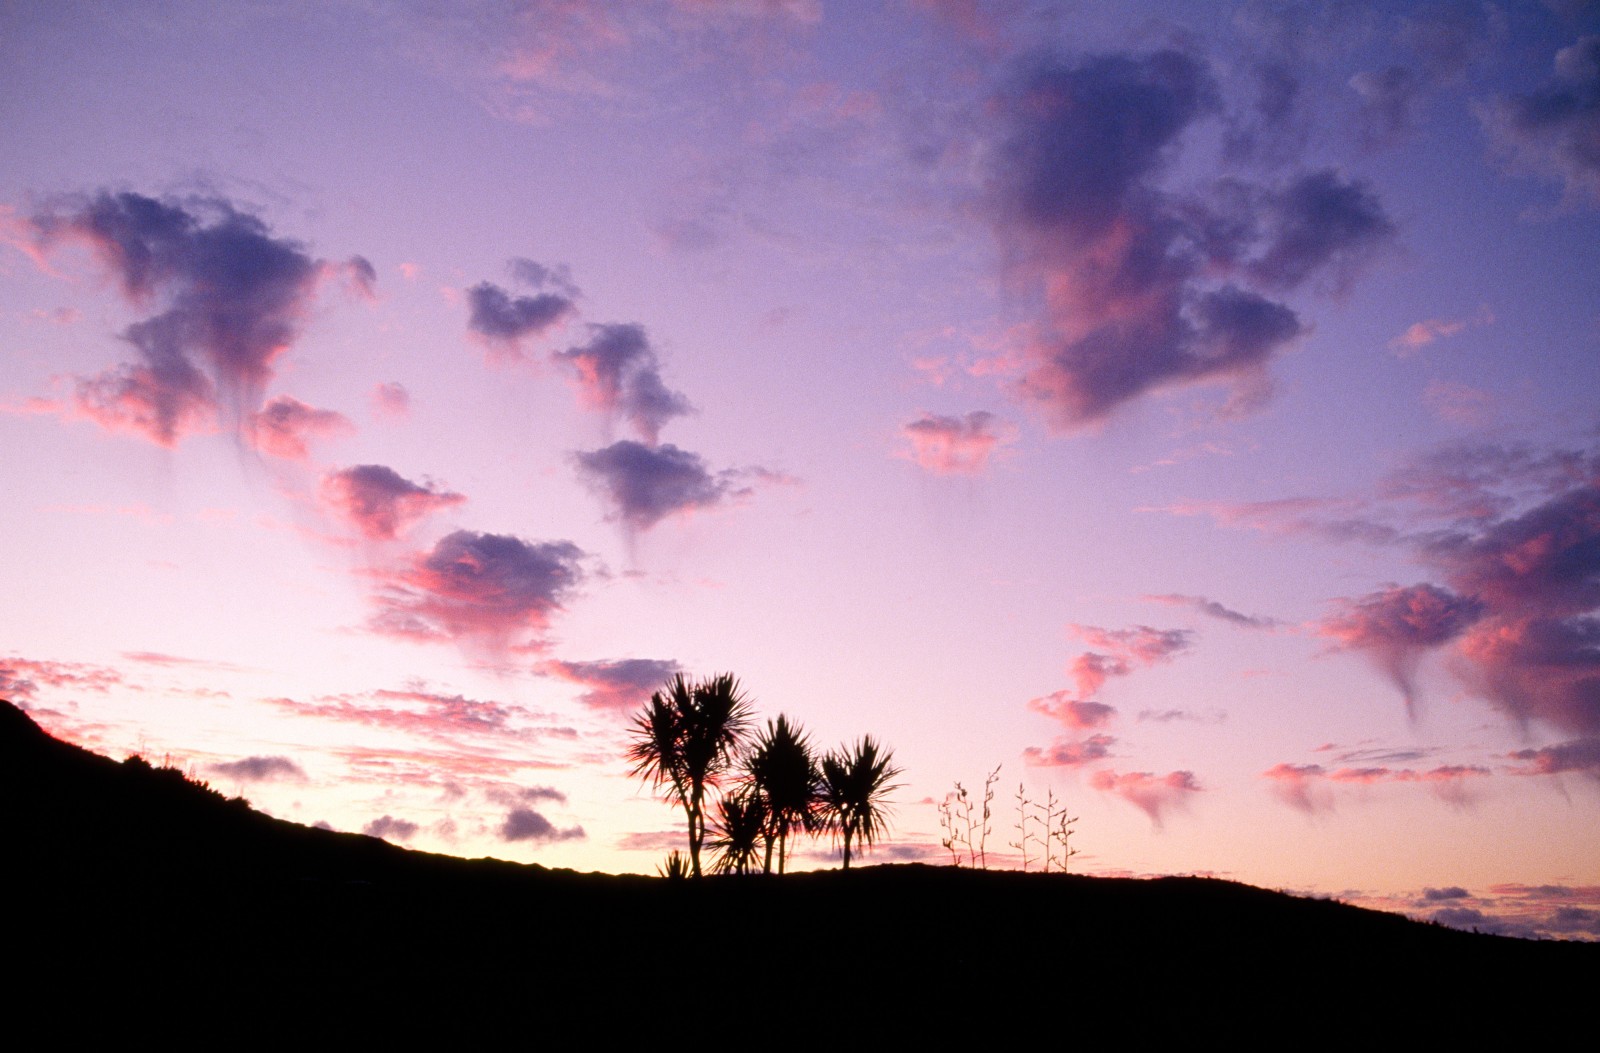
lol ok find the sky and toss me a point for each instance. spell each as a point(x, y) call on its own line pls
point(1190, 411)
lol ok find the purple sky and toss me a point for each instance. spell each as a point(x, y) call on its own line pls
point(1195, 413)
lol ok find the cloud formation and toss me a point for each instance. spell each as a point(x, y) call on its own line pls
point(234, 297)
point(1070, 753)
point(1155, 795)
point(1397, 626)
point(391, 399)
point(956, 445)
point(506, 322)
point(481, 587)
point(1309, 787)
point(1141, 289)
point(391, 829)
point(619, 685)
point(617, 372)
point(1212, 609)
point(525, 824)
point(1555, 130)
point(646, 484)
point(260, 769)
point(1581, 756)
point(285, 426)
point(379, 502)
point(1118, 652)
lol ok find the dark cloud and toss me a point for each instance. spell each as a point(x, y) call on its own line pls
point(527, 795)
point(1083, 139)
point(260, 769)
point(379, 502)
point(1320, 221)
point(1548, 557)
point(1536, 651)
point(1397, 626)
point(645, 484)
point(538, 276)
point(234, 297)
point(956, 445)
point(1437, 895)
point(1155, 795)
point(525, 824)
point(619, 685)
point(505, 321)
point(1139, 288)
point(391, 829)
point(1555, 130)
point(1213, 609)
point(617, 372)
point(284, 427)
point(484, 587)
point(1580, 755)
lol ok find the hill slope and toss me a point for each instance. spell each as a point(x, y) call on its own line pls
point(128, 884)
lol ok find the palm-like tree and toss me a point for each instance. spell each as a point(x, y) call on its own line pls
point(741, 824)
point(685, 739)
point(783, 773)
point(854, 785)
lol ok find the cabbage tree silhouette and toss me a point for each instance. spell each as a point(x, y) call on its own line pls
point(685, 739)
point(741, 824)
point(783, 774)
point(854, 785)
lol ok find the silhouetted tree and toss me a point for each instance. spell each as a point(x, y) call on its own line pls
point(783, 773)
point(685, 739)
point(854, 785)
point(741, 824)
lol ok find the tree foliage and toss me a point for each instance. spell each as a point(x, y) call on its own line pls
point(693, 734)
point(686, 739)
point(855, 785)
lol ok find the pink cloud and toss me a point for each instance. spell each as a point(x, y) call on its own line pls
point(284, 427)
point(1581, 756)
point(380, 503)
point(1074, 713)
point(484, 588)
point(1297, 786)
point(1397, 625)
point(22, 677)
point(234, 297)
point(619, 685)
point(1420, 334)
point(957, 445)
point(1155, 795)
point(391, 400)
point(1307, 786)
point(617, 371)
point(1120, 652)
point(1069, 753)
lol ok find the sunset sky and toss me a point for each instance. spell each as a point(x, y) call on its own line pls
point(1193, 410)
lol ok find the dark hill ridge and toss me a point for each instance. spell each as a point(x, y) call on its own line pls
point(130, 884)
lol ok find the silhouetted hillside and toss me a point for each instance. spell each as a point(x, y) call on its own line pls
point(130, 890)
